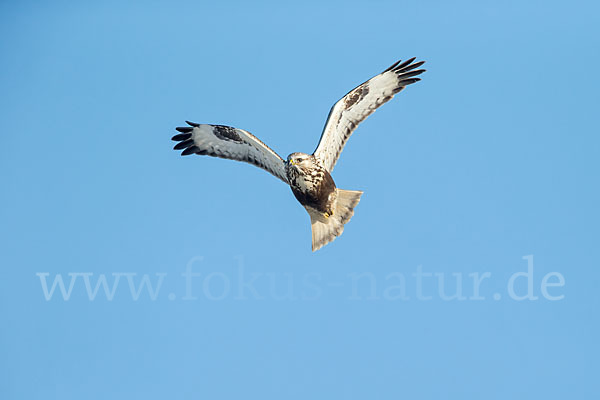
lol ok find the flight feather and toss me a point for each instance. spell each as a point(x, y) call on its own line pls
point(230, 143)
point(359, 103)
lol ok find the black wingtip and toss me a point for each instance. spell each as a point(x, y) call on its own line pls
point(184, 144)
point(393, 66)
point(405, 75)
point(407, 82)
point(181, 136)
point(192, 124)
point(404, 64)
point(184, 129)
point(407, 66)
point(190, 150)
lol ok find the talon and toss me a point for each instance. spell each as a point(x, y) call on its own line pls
point(326, 214)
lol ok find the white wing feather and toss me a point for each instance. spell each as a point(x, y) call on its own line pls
point(230, 143)
point(358, 104)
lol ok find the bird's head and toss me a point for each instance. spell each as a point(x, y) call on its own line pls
point(300, 160)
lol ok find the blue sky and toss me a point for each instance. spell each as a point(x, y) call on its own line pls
point(485, 169)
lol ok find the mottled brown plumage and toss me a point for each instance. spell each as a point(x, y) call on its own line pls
point(310, 182)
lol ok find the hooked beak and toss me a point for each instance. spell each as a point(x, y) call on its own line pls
point(292, 162)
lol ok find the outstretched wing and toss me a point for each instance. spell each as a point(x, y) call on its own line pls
point(358, 104)
point(231, 143)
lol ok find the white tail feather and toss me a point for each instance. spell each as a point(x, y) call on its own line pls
point(326, 229)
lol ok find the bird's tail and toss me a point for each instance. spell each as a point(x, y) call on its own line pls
point(326, 229)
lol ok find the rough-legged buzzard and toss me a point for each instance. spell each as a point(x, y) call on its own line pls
point(309, 176)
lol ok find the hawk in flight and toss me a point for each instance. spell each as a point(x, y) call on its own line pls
point(309, 175)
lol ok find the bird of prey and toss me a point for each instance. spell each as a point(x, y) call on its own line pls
point(308, 175)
